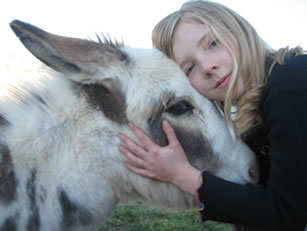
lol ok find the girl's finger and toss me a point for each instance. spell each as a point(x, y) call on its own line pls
point(170, 133)
point(136, 170)
point(133, 146)
point(142, 136)
point(131, 156)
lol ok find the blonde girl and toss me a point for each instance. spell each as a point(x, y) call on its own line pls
point(263, 95)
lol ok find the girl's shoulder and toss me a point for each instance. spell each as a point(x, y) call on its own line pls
point(291, 74)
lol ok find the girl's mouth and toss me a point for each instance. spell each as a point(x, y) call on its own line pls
point(222, 83)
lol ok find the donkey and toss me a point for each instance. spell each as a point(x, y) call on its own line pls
point(60, 168)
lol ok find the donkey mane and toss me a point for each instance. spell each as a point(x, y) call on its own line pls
point(108, 40)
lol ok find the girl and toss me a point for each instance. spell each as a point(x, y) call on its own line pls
point(226, 61)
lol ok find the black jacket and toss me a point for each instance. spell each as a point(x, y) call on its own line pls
point(280, 203)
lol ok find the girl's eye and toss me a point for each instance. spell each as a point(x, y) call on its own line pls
point(189, 69)
point(213, 43)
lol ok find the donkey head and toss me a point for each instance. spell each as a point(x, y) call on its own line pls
point(145, 87)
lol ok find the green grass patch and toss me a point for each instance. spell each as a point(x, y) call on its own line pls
point(139, 217)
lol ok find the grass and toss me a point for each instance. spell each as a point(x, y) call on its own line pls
point(139, 217)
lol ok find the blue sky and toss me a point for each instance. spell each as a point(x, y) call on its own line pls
point(280, 25)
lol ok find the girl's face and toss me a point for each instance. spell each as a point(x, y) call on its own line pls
point(205, 61)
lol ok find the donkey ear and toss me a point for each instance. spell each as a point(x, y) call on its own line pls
point(67, 55)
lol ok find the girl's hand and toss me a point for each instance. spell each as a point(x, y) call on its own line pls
point(168, 163)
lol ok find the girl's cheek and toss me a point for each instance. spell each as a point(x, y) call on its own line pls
point(197, 88)
point(192, 82)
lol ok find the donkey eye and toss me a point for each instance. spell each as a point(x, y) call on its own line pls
point(180, 108)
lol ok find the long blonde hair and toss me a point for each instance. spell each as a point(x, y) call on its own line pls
point(252, 57)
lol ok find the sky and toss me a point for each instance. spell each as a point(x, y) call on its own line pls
point(133, 20)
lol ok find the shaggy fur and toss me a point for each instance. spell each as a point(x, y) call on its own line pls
point(60, 168)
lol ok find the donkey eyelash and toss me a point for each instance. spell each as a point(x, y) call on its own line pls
point(180, 108)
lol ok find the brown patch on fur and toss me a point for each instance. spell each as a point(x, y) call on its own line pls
point(9, 225)
point(196, 146)
point(108, 98)
point(7, 177)
point(34, 219)
point(73, 213)
point(3, 121)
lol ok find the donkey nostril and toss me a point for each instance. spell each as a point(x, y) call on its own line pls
point(254, 174)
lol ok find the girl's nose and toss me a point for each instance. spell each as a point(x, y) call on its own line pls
point(209, 68)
